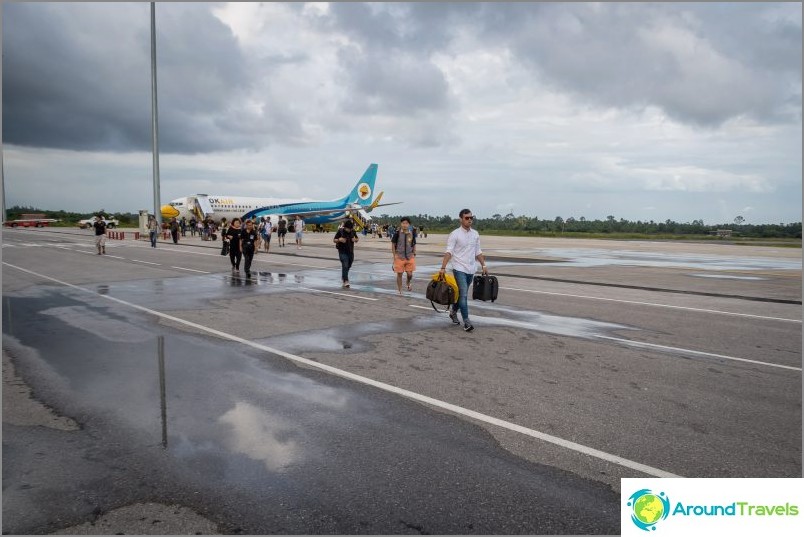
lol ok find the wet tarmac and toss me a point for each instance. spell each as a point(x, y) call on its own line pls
point(174, 414)
point(587, 257)
point(244, 429)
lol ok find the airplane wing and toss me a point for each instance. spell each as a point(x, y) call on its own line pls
point(372, 206)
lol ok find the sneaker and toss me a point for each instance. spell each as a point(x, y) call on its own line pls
point(454, 316)
point(346, 285)
point(468, 327)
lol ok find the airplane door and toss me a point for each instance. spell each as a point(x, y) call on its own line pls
point(204, 205)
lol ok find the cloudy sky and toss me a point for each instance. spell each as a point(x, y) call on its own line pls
point(638, 110)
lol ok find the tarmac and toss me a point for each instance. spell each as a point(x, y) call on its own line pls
point(156, 391)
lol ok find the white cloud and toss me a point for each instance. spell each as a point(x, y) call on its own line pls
point(537, 109)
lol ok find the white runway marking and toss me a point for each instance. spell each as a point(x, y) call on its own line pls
point(115, 256)
point(340, 294)
point(656, 305)
point(573, 446)
point(644, 345)
point(632, 343)
point(146, 262)
point(192, 270)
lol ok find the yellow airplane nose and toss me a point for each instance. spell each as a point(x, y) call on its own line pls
point(168, 211)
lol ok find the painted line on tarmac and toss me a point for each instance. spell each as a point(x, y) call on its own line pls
point(640, 344)
point(656, 305)
point(567, 444)
point(146, 262)
point(115, 256)
point(643, 345)
point(192, 270)
point(339, 294)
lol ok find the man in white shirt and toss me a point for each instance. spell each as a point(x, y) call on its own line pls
point(267, 229)
point(463, 248)
point(298, 228)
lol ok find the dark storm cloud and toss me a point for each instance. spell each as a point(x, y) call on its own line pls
point(391, 71)
point(395, 85)
point(77, 76)
point(703, 64)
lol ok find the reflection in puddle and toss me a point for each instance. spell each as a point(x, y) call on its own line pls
point(259, 436)
point(98, 322)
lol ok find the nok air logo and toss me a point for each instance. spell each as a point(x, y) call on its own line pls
point(647, 508)
point(364, 191)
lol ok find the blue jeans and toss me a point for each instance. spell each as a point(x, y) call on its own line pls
point(153, 239)
point(347, 258)
point(463, 280)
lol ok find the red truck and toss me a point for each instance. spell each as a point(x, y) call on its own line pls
point(30, 220)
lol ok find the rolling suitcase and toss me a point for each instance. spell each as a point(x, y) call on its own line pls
point(485, 288)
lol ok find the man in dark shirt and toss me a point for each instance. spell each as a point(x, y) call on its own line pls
point(248, 242)
point(100, 234)
point(233, 236)
point(174, 230)
point(281, 230)
point(345, 239)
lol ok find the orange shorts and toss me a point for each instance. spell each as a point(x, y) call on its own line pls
point(404, 265)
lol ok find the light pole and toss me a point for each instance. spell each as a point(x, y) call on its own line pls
point(154, 121)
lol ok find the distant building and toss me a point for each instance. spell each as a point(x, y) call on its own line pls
point(723, 233)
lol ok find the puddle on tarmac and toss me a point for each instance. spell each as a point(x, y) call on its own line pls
point(589, 257)
point(220, 417)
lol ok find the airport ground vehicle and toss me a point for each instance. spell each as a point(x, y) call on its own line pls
point(86, 223)
point(31, 220)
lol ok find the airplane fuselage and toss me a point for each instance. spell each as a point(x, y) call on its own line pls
point(355, 205)
point(230, 207)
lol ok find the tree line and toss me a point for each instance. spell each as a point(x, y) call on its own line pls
point(69, 218)
point(534, 225)
point(520, 225)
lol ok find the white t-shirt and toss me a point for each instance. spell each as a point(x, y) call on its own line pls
point(298, 226)
point(465, 247)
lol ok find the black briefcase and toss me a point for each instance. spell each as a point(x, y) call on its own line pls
point(485, 288)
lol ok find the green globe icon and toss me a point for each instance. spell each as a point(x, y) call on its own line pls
point(648, 509)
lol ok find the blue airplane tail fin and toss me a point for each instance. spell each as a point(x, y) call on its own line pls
point(363, 192)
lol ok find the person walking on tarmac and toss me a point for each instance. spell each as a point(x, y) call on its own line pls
point(100, 234)
point(248, 244)
point(345, 239)
point(233, 237)
point(403, 250)
point(463, 248)
point(153, 230)
point(174, 230)
point(281, 231)
point(298, 229)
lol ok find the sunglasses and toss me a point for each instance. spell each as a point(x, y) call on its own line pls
point(468, 217)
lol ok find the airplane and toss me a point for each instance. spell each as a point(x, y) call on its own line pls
point(355, 205)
